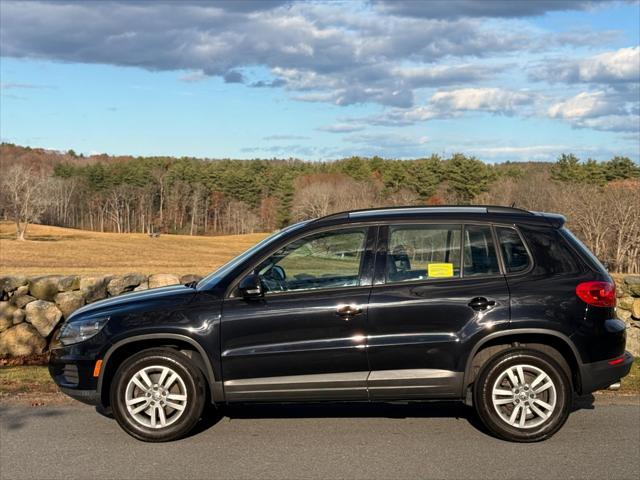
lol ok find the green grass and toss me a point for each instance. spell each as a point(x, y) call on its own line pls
point(25, 379)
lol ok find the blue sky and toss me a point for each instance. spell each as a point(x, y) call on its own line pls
point(323, 80)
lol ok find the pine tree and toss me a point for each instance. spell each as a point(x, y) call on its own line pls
point(568, 169)
point(593, 172)
point(619, 168)
point(467, 177)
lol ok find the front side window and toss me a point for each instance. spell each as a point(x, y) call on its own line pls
point(324, 260)
point(479, 252)
point(514, 253)
point(423, 253)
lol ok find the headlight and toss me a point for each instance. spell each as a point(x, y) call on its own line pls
point(81, 330)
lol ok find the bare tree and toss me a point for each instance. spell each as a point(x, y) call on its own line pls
point(268, 213)
point(403, 196)
point(24, 192)
point(160, 175)
point(321, 194)
point(198, 196)
point(623, 205)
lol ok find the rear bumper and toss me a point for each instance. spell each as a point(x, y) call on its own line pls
point(599, 375)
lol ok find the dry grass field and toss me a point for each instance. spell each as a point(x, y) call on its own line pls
point(55, 250)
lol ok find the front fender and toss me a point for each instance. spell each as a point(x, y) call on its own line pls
point(215, 382)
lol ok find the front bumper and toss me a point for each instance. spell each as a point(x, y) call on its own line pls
point(90, 397)
point(599, 375)
point(72, 370)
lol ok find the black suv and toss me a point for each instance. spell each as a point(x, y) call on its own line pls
point(498, 307)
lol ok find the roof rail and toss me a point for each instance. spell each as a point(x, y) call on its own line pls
point(501, 209)
point(428, 208)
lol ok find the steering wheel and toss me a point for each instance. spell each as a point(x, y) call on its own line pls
point(275, 279)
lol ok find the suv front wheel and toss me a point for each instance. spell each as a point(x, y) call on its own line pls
point(157, 395)
point(523, 395)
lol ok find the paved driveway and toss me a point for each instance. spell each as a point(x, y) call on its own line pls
point(316, 441)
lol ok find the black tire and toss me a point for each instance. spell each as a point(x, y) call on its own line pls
point(191, 379)
point(494, 417)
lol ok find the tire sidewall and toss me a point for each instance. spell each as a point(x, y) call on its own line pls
point(484, 402)
point(195, 393)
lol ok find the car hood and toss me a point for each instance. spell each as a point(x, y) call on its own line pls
point(177, 293)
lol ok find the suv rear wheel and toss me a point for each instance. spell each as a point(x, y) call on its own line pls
point(157, 395)
point(523, 395)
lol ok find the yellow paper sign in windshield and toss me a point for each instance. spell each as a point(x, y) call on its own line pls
point(440, 270)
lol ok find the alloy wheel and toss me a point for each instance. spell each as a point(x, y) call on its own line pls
point(524, 396)
point(156, 396)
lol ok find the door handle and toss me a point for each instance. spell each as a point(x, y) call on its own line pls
point(481, 303)
point(348, 311)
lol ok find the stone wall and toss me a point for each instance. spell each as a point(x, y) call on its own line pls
point(628, 309)
point(32, 308)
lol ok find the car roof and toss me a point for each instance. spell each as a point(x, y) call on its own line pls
point(463, 213)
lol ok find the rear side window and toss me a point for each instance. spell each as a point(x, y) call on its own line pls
point(479, 252)
point(423, 252)
point(514, 253)
point(581, 247)
point(552, 252)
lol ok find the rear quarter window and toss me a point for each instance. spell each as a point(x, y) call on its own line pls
point(552, 253)
point(587, 255)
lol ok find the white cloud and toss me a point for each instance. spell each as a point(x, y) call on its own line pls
point(341, 54)
point(453, 103)
point(614, 123)
point(193, 76)
point(609, 68)
point(285, 137)
point(545, 152)
point(598, 110)
point(521, 151)
point(614, 106)
point(486, 99)
point(385, 144)
point(342, 128)
point(622, 65)
point(387, 140)
point(585, 104)
point(388, 53)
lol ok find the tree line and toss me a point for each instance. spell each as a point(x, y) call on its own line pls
point(210, 197)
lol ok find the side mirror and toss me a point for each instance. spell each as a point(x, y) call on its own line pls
point(251, 286)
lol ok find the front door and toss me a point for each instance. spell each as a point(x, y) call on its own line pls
point(305, 339)
point(430, 295)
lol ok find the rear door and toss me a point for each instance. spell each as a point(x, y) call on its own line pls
point(305, 340)
point(435, 286)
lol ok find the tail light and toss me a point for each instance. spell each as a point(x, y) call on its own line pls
point(598, 294)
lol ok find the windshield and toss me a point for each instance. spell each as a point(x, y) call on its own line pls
point(214, 277)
